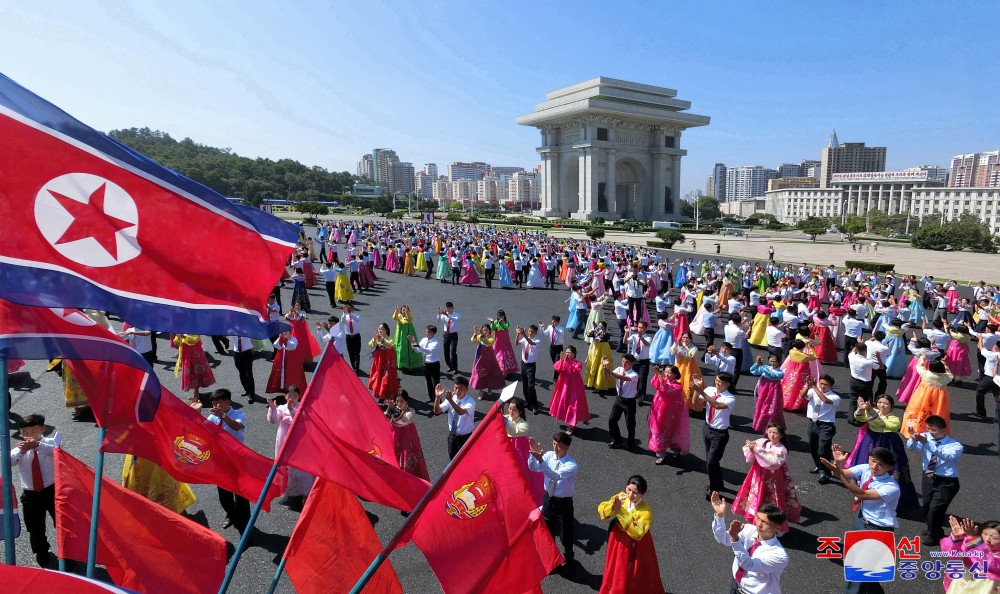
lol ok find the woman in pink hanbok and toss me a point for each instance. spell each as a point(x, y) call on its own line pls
point(409, 452)
point(798, 374)
point(768, 480)
point(517, 431)
point(957, 356)
point(502, 346)
point(669, 427)
point(569, 397)
point(299, 482)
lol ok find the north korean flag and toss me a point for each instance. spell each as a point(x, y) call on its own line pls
point(42, 333)
point(89, 223)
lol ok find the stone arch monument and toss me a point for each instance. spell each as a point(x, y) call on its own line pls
point(611, 148)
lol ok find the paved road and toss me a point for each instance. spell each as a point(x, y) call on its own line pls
point(690, 560)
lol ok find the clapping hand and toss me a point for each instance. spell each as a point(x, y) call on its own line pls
point(863, 404)
point(718, 504)
point(957, 528)
point(751, 445)
point(698, 382)
point(839, 455)
point(760, 360)
point(605, 361)
point(616, 503)
point(534, 446)
point(734, 529)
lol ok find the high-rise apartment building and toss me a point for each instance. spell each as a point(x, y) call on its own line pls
point(849, 157)
point(366, 168)
point(400, 177)
point(718, 178)
point(934, 173)
point(975, 170)
point(505, 172)
point(468, 171)
point(431, 169)
point(789, 170)
point(490, 190)
point(441, 190)
point(383, 159)
point(423, 185)
point(464, 190)
point(746, 182)
point(524, 188)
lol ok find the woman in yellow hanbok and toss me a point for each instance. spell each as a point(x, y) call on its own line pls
point(342, 290)
point(593, 376)
point(421, 261)
point(686, 360)
point(152, 482)
point(758, 330)
point(408, 262)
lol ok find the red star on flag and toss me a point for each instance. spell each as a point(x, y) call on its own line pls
point(90, 220)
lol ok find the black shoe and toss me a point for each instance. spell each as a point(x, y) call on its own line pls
point(814, 470)
point(43, 560)
point(228, 524)
point(824, 479)
point(616, 445)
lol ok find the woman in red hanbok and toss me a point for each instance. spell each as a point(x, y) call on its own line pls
point(798, 374)
point(669, 429)
point(517, 431)
point(569, 397)
point(768, 480)
point(383, 380)
point(822, 333)
point(630, 565)
point(192, 365)
point(409, 453)
point(286, 368)
point(300, 330)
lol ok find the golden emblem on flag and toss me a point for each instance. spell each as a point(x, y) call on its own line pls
point(191, 449)
point(471, 499)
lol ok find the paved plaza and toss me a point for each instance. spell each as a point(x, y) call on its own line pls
point(690, 560)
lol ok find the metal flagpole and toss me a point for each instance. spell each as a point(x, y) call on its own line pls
point(277, 574)
point(95, 508)
point(245, 538)
point(8, 479)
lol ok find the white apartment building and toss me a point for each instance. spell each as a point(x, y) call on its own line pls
point(490, 190)
point(467, 171)
point(423, 185)
point(441, 190)
point(523, 188)
point(948, 204)
point(975, 170)
point(463, 189)
point(746, 182)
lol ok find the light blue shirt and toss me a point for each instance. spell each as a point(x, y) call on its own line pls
point(881, 512)
point(765, 370)
point(560, 473)
point(947, 451)
point(235, 415)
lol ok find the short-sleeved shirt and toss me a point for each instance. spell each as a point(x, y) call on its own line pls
point(881, 512)
point(235, 415)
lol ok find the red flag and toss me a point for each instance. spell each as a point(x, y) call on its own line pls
point(143, 545)
point(180, 440)
point(43, 333)
point(341, 435)
point(333, 544)
point(483, 504)
point(31, 580)
point(91, 223)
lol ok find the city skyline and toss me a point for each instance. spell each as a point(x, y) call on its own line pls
point(321, 84)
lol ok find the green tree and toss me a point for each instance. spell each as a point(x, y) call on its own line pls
point(428, 205)
point(708, 208)
point(454, 206)
point(595, 233)
point(852, 227)
point(966, 232)
point(813, 226)
point(669, 237)
point(454, 217)
point(382, 205)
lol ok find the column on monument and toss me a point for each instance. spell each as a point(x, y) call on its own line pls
point(675, 183)
point(588, 183)
point(551, 203)
point(653, 210)
point(610, 182)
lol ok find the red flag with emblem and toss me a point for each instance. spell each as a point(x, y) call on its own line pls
point(179, 439)
point(483, 506)
point(143, 545)
point(340, 434)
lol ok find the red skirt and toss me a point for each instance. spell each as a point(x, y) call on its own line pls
point(383, 381)
point(196, 373)
point(630, 566)
point(409, 453)
point(308, 346)
point(286, 370)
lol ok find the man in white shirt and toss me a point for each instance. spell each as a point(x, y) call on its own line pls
point(821, 410)
point(991, 359)
point(449, 321)
point(621, 315)
point(853, 329)
point(461, 409)
point(759, 558)
point(34, 459)
point(638, 347)
point(551, 265)
point(878, 352)
point(937, 334)
point(560, 486)
point(775, 336)
point(429, 348)
point(626, 384)
point(862, 371)
point(330, 278)
point(242, 348)
point(351, 327)
point(721, 360)
point(718, 409)
point(736, 335)
point(233, 422)
point(528, 343)
point(489, 270)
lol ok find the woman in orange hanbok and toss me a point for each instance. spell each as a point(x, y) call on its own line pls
point(929, 398)
point(686, 360)
point(798, 375)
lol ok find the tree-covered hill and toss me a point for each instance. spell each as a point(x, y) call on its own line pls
point(233, 175)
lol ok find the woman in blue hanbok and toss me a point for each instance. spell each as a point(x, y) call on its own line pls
point(895, 339)
point(659, 347)
point(443, 267)
point(503, 276)
point(574, 300)
point(682, 274)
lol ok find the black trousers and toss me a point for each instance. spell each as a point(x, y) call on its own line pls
point(622, 406)
point(237, 508)
point(244, 365)
point(821, 443)
point(354, 350)
point(737, 372)
point(490, 274)
point(331, 291)
point(936, 495)
point(451, 350)
point(879, 374)
point(849, 342)
point(581, 321)
point(709, 337)
point(558, 515)
point(221, 344)
point(554, 351)
point(635, 308)
point(356, 282)
point(430, 266)
point(322, 252)
point(550, 279)
point(456, 275)
point(861, 388)
point(641, 367)
point(34, 505)
point(432, 375)
point(150, 357)
point(528, 385)
point(621, 335)
point(715, 448)
point(455, 443)
point(985, 385)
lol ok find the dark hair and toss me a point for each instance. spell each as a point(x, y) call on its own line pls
point(563, 438)
point(776, 425)
point(34, 420)
point(883, 455)
point(556, 318)
point(432, 328)
point(571, 348)
point(449, 304)
point(461, 380)
point(879, 335)
point(294, 388)
point(798, 344)
point(222, 394)
point(935, 422)
point(892, 402)
point(384, 325)
point(775, 515)
point(628, 357)
point(861, 348)
point(828, 378)
point(404, 394)
point(726, 377)
point(727, 345)
point(518, 404)
point(937, 366)
point(639, 482)
point(533, 327)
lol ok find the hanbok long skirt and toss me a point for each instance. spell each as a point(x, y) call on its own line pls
point(595, 317)
point(763, 485)
point(196, 373)
point(342, 289)
point(573, 318)
point(486, 374)
point(769, 404)
point(594, 377)
point(681, 328)
point(392, 261)
point(958, 360)
point(471, 277)
point(758, 329)
point(796, 377)
point(443, 268)
point(504, 351)
point(383, 380)
point(569, 397)
point(698, 323)
point(536, 480)
point(421, 264)
point(909, 382)
point(927, 400)
point(895, 361)
point(826, 350)
point(901, 469)
point(308, 346)
point(409, 454)
point(643, 316)
point(503, 277)
point(286, 370)
point(747, 357)
point(408, 264)
point(366, 276)
point(310, 274)
point(152, 482)
point(406, 357)
point(669, 426)
point(689, 370)
point(630, 566)
point(300, 296)
point(659, 347)
point(952, 296)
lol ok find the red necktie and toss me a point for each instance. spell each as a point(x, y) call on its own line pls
point(526, 345)
point(857, 502)
point(36, 472)
point(740, 573)
point(447, 326)
point(711, 413)
point(350, 325)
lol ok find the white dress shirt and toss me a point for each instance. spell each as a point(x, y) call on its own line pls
point(718, 418)
point(861, 367)
point(763, 568)
point(460, 424)
point(735, 335)
point(46, 461)
point(430, 348)
point(449, 321)
point(528, 351)
point(819, 411)
point(626, 388)
point(554, 334)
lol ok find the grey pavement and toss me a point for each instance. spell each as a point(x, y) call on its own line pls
point(690, 560)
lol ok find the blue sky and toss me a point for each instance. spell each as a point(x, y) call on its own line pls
point(444, 81)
